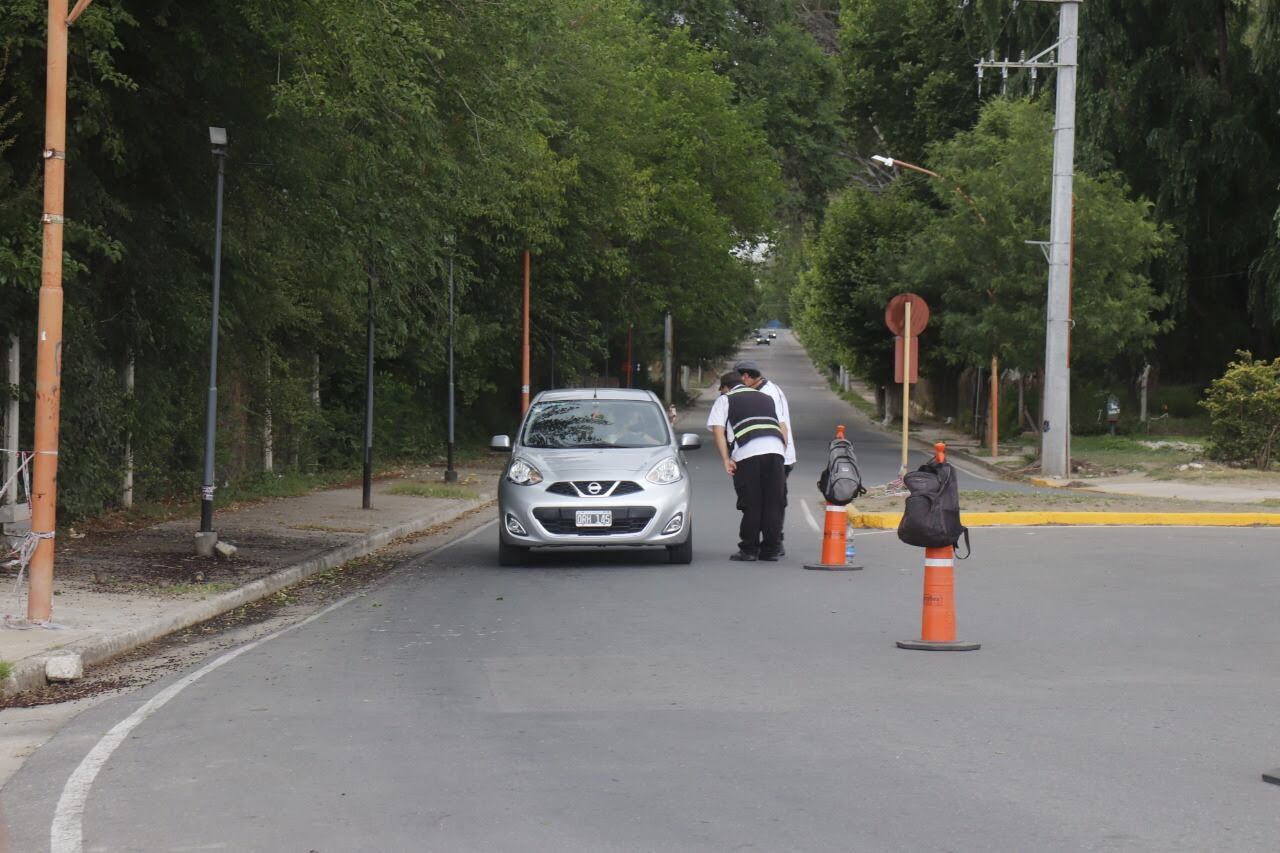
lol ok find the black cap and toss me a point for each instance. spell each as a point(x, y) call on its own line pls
point(732, 379)
point(748, 367)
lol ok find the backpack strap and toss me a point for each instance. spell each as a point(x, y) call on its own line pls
point(968, 549)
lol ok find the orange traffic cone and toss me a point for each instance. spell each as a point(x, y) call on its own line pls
point(938, 617)
point(834, 556)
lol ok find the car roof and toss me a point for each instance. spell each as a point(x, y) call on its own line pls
point(596, 394)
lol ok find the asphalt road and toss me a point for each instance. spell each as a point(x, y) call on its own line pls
point(1123, 699)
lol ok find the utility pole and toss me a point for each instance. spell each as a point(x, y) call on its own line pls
point(366, 485)
point(126, 486)
point(44, 497)
point(1055, 446)
point(631, 329)
point(450, 474)
point(268, 436)
point(666, 359)
point(11, 414)
point(524, 346)
point(1143, 378)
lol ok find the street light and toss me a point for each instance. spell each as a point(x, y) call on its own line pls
point(890, 162)
point(993, 432)
point(207, 537)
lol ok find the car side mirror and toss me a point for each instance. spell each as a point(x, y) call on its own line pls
point(501, 443)
point(690, 441)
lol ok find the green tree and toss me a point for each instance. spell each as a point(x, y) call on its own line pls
point(992, 284)
point(858, 257)
point(909, 66)
point(1244, 410)
point(1181, 98)
point(370, 144)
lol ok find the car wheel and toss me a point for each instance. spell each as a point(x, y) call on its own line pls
point(511, 555)
point(681, 554)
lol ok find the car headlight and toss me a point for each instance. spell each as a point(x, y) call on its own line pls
point(523, 474)
point(666, 471)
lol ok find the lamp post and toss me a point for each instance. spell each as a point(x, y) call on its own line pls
point(993, 433)
point(890, 162)
point(207, 537)
point(450, 475)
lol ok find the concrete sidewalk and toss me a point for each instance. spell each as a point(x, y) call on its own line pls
point(117, 590)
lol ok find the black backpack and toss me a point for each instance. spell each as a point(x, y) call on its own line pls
point(932, 515)
point(841, 481)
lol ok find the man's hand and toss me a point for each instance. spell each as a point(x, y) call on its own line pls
point(722, 444)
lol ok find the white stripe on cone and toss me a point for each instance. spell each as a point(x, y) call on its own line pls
point(938, 561)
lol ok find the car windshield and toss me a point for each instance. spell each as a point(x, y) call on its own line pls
point(596, 423)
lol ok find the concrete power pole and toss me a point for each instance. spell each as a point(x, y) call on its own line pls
point(1055, 445)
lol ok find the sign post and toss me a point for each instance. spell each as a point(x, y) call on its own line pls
point(907, 315)
point(906, 385)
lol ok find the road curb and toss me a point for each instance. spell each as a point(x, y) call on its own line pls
point(28, 674)
point(889, 520)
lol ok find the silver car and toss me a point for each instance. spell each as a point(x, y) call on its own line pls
point(595, 467)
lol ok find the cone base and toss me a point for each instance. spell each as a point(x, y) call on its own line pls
point(832, 567)
point(1273, 777)
point(953, 646)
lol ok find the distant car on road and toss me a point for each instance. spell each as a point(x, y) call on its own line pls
point(762, 340)
point(773, 335)
point(595, 467)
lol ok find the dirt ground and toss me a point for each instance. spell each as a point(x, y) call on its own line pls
point(180, 650)
point(145, 554)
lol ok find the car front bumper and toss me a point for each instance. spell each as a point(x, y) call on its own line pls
point(548, 519)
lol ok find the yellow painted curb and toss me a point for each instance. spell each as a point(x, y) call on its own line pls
point(1047, 484)
point(889, 520)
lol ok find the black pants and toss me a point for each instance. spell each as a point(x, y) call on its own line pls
point(786, 498)
point(761, 485)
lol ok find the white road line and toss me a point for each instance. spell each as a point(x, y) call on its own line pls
point(808, 515)
point(67, 832)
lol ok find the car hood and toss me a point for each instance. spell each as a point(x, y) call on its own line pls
point(593, 463)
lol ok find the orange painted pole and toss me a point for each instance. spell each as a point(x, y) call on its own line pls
point(834, 536)
point(524, 348)
point(995, 407)
point(44, 495)
point(938, 608)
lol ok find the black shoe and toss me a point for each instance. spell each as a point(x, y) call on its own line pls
point(743, 557)
point(782, 551)
point(771, 559)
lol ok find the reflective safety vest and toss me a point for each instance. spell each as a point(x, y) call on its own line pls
point(752, 414)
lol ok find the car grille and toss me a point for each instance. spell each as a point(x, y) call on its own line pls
point(583, 488)
point(626, 519)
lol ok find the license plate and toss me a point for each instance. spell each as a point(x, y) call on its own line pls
point(594, 518)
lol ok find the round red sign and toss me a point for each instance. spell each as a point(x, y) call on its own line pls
point(895, 315)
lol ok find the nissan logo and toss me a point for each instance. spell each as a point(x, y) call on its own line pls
point(593, 488)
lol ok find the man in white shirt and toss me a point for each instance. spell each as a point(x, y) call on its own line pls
point(753, 378)
point(752, 444)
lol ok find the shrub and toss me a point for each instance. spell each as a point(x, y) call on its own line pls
point(1244, 411)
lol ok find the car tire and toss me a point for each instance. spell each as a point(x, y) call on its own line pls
point(681, 554)
point(511, 555)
